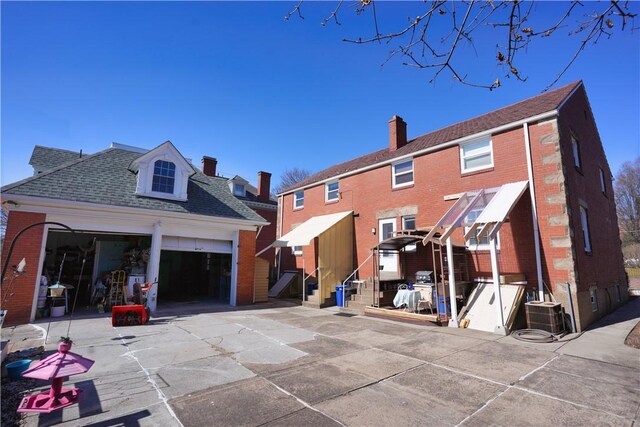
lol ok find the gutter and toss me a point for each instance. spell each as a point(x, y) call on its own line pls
point(511, 125)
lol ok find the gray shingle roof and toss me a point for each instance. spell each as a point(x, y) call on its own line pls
point(103, 178)
point(543, 103)
point(45, 158)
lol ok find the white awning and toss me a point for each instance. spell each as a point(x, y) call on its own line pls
point(303, 234)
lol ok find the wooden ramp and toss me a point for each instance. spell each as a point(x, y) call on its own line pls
point(282, 284)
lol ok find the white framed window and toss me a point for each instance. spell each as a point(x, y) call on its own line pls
point(402, 173)
point(584, 220)
point(297, 250)
point(603, 184)
point(476, 155)
point(239, 189)
point(164, 176)
point(332, 191)
point(593, 294)
point(575, 146)
point(409, 223)
point(478, 242)
point(298, 199)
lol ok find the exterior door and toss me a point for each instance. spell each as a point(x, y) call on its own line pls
point(388, 259)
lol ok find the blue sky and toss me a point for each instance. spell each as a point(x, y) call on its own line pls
point(233, 80)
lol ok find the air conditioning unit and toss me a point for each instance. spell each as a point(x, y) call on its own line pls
point(546, 316)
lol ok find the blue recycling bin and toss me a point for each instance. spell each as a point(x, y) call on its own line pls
point(444, 305)
point(340, 295)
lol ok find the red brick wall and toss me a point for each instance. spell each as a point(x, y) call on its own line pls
point(435, 175)
point(246, 267)
point(267, 235)
point(28, 246)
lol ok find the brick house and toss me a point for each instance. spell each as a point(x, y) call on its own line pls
point(550, 143)
point(147, 211)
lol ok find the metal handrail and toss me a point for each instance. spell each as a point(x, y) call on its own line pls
point(356, 270)
point(304, 282)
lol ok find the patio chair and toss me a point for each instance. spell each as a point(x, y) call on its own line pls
point(426, 299)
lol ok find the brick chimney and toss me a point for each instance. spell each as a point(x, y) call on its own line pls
point(264, 184)
point(397, 133)
point(209, 165)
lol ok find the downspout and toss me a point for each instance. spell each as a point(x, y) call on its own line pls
point(279, 250)
point(453, 322)
point(534, 212)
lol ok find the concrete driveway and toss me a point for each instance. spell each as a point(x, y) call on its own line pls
point(284, 365)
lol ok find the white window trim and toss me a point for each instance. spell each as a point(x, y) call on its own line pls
point(593, 295)
point(584, 224)
point(296, 250)
point(575, 149)
point(603, 185)
point(326, 192)
point(295, 200)
point(394, 175)
point(411, 247)
point(479, 168)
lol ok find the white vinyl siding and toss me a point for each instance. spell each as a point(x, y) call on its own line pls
point(332, 191)
point(402, 173)
point(476, 155)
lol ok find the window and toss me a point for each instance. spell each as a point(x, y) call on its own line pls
point(593, 294)
point(576, 152)
point(164, 175)
point(584, 218)
point(297, 250)
point(298, 200)
point(476, 155)
point(239, 190)
point(409, 223)
point(332, 191)
point(603, 185)
point(478, 242)
point(402, 173)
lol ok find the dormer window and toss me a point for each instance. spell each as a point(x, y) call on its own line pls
point(239, 189)
point(164, 176)
point(162, 173)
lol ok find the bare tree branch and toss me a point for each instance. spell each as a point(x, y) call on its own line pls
point(426, 44)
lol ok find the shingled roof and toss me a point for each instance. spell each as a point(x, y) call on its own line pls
point(103, 178)
point(45, 158)
point(543, 103)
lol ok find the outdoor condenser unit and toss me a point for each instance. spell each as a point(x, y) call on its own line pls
point(546, 316)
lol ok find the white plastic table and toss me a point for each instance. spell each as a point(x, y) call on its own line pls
point(407, 298)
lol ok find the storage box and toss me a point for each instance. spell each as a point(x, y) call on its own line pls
point(546, 316)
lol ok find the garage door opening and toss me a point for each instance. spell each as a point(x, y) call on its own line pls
point(194, 276)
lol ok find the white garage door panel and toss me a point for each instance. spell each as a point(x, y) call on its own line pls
point(174, 243)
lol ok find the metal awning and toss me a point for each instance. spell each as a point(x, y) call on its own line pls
point(303, 234)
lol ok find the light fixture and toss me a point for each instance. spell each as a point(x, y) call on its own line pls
point(373, 230)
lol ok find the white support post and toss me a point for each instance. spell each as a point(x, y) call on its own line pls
point(235, 259)
point(453, 322)
point(304, 279)
point(500, 328)
point(153, 267)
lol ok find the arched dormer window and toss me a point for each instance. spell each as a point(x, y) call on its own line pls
point(164, 176)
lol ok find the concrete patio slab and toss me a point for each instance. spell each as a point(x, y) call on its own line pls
point(519, 408)
point(369, 338)
point(189, 377)
point(432, 345)
point(597, 370)
point(326, 347)
point(319, 381)
point(304, 417)
point(375, 363)
point(251, 402)
point(272, 354)
point(505, 363)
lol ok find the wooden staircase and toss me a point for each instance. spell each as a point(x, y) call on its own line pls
point(314, 300)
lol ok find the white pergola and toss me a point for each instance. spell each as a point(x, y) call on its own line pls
point(494, 205)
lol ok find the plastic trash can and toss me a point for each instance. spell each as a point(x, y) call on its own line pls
point(444, 305)
point(340, 295)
